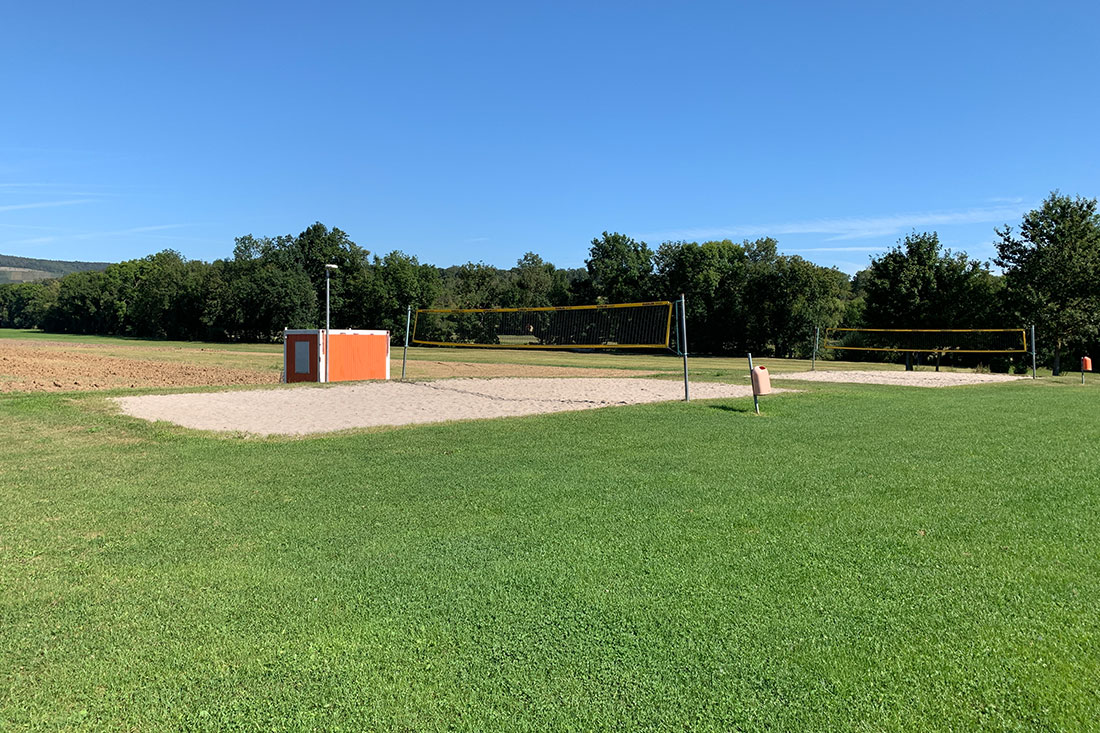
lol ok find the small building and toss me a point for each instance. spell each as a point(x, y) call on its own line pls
point(352, 355)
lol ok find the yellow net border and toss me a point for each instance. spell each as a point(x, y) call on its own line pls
point(1022, 349)
point(545, 309)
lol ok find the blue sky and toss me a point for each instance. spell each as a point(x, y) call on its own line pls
point(479, 131)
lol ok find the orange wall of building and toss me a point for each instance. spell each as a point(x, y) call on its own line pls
point(355, 357)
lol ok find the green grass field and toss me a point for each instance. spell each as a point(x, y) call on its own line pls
point(859, 558)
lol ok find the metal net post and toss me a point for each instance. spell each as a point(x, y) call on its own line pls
point(1033, 351)
point(755, 397)
point(684, 338)
point(405, 354)
point(813, 356)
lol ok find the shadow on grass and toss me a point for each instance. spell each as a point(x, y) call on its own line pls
point(731, 408)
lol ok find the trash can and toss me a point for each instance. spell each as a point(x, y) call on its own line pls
point(761, 382)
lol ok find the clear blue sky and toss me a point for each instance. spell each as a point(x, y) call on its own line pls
point(479, 131)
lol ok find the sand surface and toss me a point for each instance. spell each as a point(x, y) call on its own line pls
point(313, 409)
point(901, 379)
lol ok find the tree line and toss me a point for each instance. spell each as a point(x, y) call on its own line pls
point(741, 296)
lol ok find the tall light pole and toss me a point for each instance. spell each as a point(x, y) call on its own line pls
point(328, 277)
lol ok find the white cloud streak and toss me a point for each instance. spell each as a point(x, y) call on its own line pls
point(55, 189)
point(35, 227)
point(833, 249)
point(69, 236)
point(845, 228)
point(44, 204)
point(125, 232)
point(32, 240)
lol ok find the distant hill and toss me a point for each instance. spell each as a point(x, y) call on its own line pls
point(28, 269)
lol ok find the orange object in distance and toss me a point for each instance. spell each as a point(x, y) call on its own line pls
point(1086, 364)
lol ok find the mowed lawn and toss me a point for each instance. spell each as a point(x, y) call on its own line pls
point(858, 558)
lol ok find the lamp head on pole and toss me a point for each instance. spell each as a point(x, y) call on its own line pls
point(329, 269)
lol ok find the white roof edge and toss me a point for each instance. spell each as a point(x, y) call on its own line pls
point(345, 332)
point(358, 333)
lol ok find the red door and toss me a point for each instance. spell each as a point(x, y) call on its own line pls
point(300, 357)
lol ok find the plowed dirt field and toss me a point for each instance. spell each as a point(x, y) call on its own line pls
point(57, 366)
point(51, 367)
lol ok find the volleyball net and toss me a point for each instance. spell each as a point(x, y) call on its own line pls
point(934, 341)
point(618, 326)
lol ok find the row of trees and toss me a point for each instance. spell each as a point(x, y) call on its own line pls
point(268, 285)
point(741, 296)
point(1051, 279)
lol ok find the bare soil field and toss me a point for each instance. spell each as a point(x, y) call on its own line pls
point(316, 409)
point(901, 379)
point(41, 367)
point(55, 366)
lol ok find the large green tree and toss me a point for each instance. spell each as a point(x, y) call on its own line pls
point(711, 278)
point(317, 246)
point(25, 305)
point(159, 296)
point(919, 284)
point(265, 288)
point(535, 283)
point(1052, 271)
point(782, 299)
point(786, 298)
point(473, 285)
point(167, 299)
point(378, 296)
point(84, 304)
point(620, 269)
point(748, 297)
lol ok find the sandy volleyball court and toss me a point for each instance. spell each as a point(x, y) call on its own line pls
point(901, 379)
point(314, 409)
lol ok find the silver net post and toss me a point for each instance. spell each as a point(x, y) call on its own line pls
point(405, 353)
point(684, 342)
point(755, 397)
point(1033, 351)
point(813, 356)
